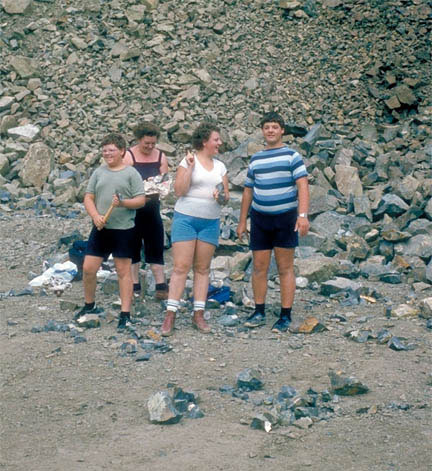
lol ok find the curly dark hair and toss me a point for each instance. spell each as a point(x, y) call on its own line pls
point(272, 117)
point(113, 138)
point(202, 133)
point(146, 128)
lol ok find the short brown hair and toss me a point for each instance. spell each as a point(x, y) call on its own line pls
point(272, 117)
point(146, 128)
point(113, 138)
point(202, 133)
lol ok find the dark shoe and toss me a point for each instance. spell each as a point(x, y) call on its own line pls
point(256, 319)
point(85, 310)
point(123, 321)
point(199, 323)
point(167, 328)
point(161, 294)
point(281, 325)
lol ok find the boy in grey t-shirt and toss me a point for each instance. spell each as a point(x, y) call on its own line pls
point(121, 186)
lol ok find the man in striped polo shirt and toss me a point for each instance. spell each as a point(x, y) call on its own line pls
point(277, 194)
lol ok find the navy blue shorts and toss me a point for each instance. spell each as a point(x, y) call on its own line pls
point(118, 242)
point(186, 227)
point(273, 230)
point(149, 234)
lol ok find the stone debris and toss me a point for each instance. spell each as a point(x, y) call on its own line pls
point(249, 380)
point(310, 325)
point(89, 321)
point(383, 336)
point(16, 6)
point(162, 410)
point(426, 308)
point(346, 385)
point(359, 336)
point(265, 421)
point(170, 409)
point(368, 155)
point(396, 343)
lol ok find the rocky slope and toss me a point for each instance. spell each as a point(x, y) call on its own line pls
point(352, 78)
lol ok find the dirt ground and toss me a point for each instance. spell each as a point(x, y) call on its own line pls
point(83, 406)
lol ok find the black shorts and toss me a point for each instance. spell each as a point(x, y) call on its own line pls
point(273, 230)
point(118, 242)
point(149, 233)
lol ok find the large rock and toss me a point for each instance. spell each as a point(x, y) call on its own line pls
point(249, 379)
point(4, 164)
point(346, 386)
point(339, 285)
point(317, 268)
point(404, 310)
point(407, 188)
point(391, 205)
point(348, 181)
point(16, 6)
point(362, 207)
point(151, 4)
point(161, 409)
point(329, 223)
point(6, 102)
point(24, 66)
point(419, 245)
point(426, 308)
point(28, 132)
point(310, 325)
point(8, 121)
point(37, 165)
point(321, 201)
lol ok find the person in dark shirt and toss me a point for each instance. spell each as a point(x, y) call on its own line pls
point(149, 161)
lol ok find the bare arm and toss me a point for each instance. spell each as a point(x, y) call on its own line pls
point(164, 165)
point(225, 185)
point(244, 210)
point(132, 203)
point(184, 176)
point(90, 206)
point(302, 224)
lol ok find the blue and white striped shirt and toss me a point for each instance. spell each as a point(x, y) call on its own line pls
point(272, 174)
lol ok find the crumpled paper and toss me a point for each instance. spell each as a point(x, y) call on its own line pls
point(158, 185)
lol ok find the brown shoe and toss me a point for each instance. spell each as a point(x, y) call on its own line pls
point(161, 294)
point(167, 328)
point(199, 323)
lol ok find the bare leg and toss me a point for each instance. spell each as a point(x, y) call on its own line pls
point(123, 268)
point(90, 267)
point(158, 272)
point(285, 263)
point(261, 263)
point(135, 272)
point(202, 259)
point(183, 253)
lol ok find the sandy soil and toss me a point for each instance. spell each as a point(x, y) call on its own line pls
point(83, 406)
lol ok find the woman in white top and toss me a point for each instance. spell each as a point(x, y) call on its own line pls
point(195, 228)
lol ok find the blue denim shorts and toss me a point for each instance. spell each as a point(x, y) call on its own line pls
point(186, 227)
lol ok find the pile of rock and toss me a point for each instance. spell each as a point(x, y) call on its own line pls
point(354, 88)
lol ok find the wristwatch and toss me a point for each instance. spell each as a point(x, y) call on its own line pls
point(303, 215)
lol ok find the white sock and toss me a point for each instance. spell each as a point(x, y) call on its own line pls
point(173, 305)
point(199, 305)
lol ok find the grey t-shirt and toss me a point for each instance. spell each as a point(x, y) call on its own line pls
point(105, 182)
